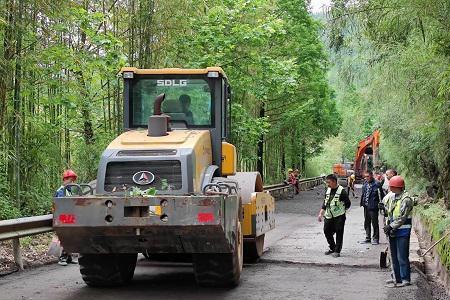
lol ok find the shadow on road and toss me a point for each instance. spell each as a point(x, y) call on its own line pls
point(153, 280)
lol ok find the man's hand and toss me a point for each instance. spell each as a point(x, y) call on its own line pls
point(387, 229)
point(320, 216)
point(381, 205)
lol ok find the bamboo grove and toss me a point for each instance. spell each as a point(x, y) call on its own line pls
point(60, 91)
point(391, 70)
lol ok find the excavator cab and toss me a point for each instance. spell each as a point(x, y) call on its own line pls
point(367, 155)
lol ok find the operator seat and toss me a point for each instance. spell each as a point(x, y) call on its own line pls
point(174, 110)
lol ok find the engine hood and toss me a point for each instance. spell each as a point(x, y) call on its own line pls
point(177, 139)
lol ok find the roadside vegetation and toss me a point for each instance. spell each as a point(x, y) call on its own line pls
point(390, 69)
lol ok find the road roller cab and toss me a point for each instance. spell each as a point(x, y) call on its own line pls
point(168, 185)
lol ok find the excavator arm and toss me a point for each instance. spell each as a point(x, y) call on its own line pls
point(370, 145)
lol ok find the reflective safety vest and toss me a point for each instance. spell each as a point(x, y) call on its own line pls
point(334, 207)
point(394, 207)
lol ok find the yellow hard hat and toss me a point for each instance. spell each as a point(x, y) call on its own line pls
point(290, 170)
point(353, 176)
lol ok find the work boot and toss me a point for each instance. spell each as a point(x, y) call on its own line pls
point(71, 261)
point(62, 261)
point(328, 252)
point(375, 242)
point(366, 241)
point(404, 283)
point(336, 254)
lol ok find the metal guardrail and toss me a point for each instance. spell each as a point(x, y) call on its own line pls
point(277, 190)
point(15, 229)
point(22, 227)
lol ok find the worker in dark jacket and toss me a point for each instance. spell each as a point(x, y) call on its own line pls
point(334, 207)
point(372, 195)
point(69, 177)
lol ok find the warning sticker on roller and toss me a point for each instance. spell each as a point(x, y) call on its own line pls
point(155, 210)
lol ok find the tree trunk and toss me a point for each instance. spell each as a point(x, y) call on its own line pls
point(260, 165)
point(17, 106)
point(8, 54)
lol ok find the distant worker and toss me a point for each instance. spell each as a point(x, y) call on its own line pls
point(398, 212)
point(185, 101)
point(379, 177)
point(292, 179)
point(372, 195)
point(69, 177)
point(351, 184)
point(334, 207)
point(297, 181)
point(387, 176)
point(288, 176)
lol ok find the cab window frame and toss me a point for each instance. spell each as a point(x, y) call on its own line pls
point(133, 83)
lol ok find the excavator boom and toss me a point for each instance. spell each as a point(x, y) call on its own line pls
point(367, 154)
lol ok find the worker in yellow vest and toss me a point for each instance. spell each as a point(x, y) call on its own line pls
point(333, 209)
point(351, 184)
point(398, 206)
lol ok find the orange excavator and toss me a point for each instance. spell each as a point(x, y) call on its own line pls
point(367, 154)
point(342, 171)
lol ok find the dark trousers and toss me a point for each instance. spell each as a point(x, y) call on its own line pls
point(400, 258)
point(371, 220)
point(334, 226)
point(297, 187)
point(351, 188)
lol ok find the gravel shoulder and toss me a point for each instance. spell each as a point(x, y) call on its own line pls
point(34, 253)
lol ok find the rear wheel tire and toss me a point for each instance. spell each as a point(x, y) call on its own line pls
point(103, 270)
point(220, 269)
point(253, 249)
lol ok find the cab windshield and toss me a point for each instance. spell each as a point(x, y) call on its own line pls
point(187, 101)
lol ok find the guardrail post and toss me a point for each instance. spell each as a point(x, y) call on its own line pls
point(17, 253)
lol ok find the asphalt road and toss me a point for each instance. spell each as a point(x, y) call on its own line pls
point(282, 274)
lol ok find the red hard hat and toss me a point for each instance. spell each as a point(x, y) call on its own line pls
point(397, 182)
point(69, 173)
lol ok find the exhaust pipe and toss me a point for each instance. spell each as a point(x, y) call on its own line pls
point(158, 123)
point(157, 111)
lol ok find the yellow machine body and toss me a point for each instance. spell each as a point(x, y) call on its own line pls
point(198, 140)
point(229, 159)
point(258, 207)
point(259, 215)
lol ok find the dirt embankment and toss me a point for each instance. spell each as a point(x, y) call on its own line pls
point(431, 221)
